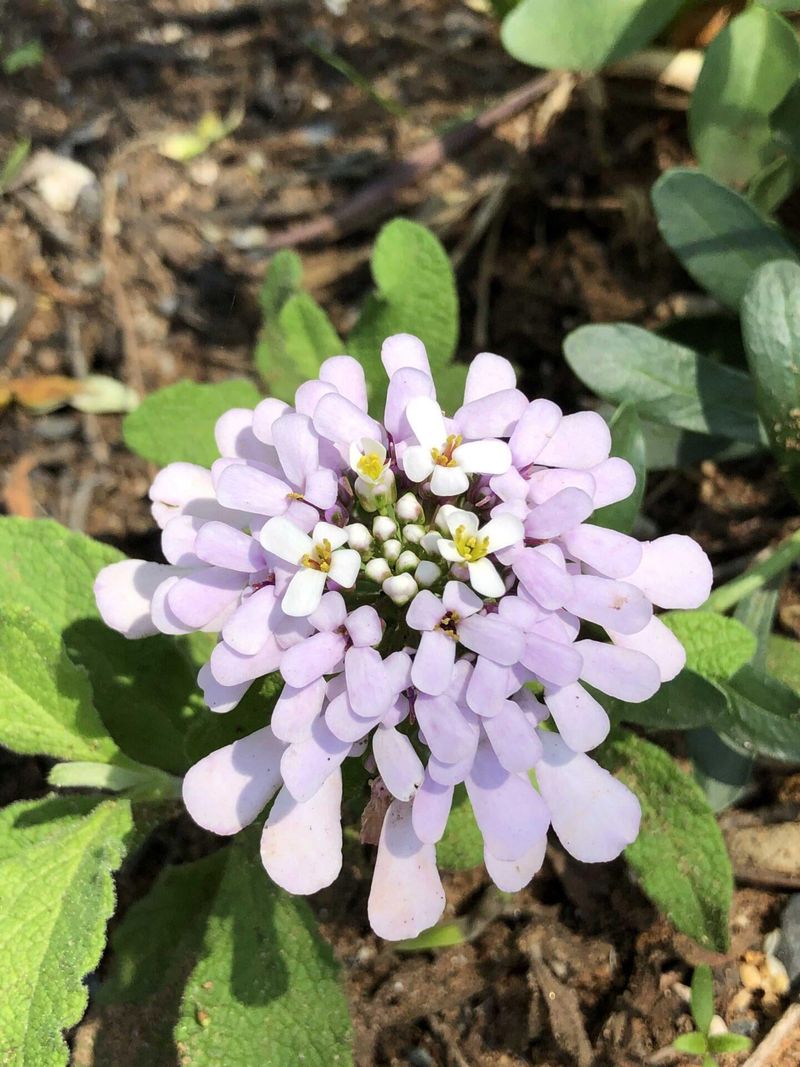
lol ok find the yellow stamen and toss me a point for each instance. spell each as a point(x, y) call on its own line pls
point(295, 496)
point(470, 547)
point(319, 559)
point(444, 458)
point(371, 465)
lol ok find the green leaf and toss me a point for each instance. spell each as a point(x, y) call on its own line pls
point(702, 997)
point(443, 935)
point(773, 184)
point(783, 660)
point(583, 34)
point(771, 330)
point(717, 235)
point(627, 442)
point(785, 122)
point(694, 1044)
point(161, 935)
point(296, 335)
point(144, 690)
point(56, 896)
point(716, 646)
point(46, 702)
point(721, 769)
point(266, 990)
point(31, 822)
point(461, 847)
point(667, 382)
point(210, 731)
point(177, 423)
point(764, 715)
point(748, 69)
point(668, 447)
point(720, 1044)
point(687, 702)
point(680, 855)
point(416, 293)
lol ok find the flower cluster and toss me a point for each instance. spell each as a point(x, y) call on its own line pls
point(409, 580)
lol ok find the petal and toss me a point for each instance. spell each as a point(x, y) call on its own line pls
point(447, 733)
point(657, 642)
point(364, 626)
point(227, 789)
point(447, 550)
point(418, 463)
point(561, 512)
point(398, 671)
point(347, 376)
point(512, 875)
point(233, 433)
point(459, 598)
point(490, 636)
point(483, 457)
point(552, 661)
point(491, 416)
point(455, 518)
point(182, 488)
point(502, 532)
point(345, 565)
point(448, 481)
point(221, 545)
point(301, 847)
point(425, 611)
point(513, 738)
point(220, 698)
point(230, 668)
point(536, 425)
point(124, 591)
point(252, 622)
point(611, 553)
point(484, 578)
point(201, 596)
point(449, 774)
point(296, 709)
point(398, 764)
point(488, 687)
point(426, 421)
point(404, 385)
point(581, 721)
point(510, 814)
point(309, 394)
point(178, 540)
point(367, 682)
point(548, 584)
point(298, 446)
point(406, 896)
point(307, 764)
point(488, 374)
point(343, 721)
point(619, 672)
point(581, 440)
point(252, 490)
point(674, 573)
point(303, 593)
point(265, 416)
point(614, 480)
point(616, 605)
point(546, 482)
point(593, 814)
point(404, 350)
point(432, 669)
point(330, 614)
point(284, 539)
point(310, 659)
point(338, 419)
point(431, 808)
point(336, 536)
point(321, 489)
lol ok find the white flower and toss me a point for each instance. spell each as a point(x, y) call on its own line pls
point(443, 457)
point(320, 557)
point(470, 546)
point(375, 482)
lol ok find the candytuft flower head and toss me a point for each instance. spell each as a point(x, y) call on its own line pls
point(408, 580)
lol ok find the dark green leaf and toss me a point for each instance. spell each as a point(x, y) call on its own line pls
point(666, 382)
point(771, 330)
point(210, 731)
point(686, 702)
point(583, 34)
point(749, 67)
point(783, 660)
point(627, 442)
point(785, 122)
point(717, 235)
point(772, 185)
point(764, 715)
point(721, 769)
point(668, 448)
point(679, 856)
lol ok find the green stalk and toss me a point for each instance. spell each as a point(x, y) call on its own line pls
point(756, 577)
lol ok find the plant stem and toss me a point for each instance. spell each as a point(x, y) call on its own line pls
point(756, 577)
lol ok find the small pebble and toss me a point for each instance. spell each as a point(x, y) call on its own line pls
point(418, 1057)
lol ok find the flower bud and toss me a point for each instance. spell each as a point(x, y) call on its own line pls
point(383, 527)
point(400, 588)
point(406, 561)
point(378, 570)
point(359, 537)
point(430, 542)
point(426, 574)
point(392, 549)
point(413, 534)
point(409, 508)
point(374, 495)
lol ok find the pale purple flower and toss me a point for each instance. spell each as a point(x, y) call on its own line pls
point(410, 580)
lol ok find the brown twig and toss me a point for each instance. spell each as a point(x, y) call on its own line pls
point(380, 197)
point(782, 1043)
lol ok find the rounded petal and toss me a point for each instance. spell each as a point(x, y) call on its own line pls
point(178, 540)
point(581, 721)
point(404, 385)
point(424, 611)
point(252, 490)
point(301, 847)
point(536, 425)
point(483, 457)
point(230, 668)
point(308, 660)
point(221, 545)
point(418, 463)
point(432, 668)
point(253, 622)
point(347, 376)
point(406, 895)
point(593, 814)
point(657, 642)
point(614, 479)
point(307, 764)
point(367, 682)
point(491, 416)
point(490, 636)
point(448, 734)
point(364, 626)
point(345, 565)
point(227, 789)
point(581, 440)
point(547, 582)
point(504, 531)
point(303, 593)
point(233, 433)
point(220, 698)
point(674, 572)
point(513, 738)
point(404, 350)
point(431, 808)
point(330, 614)
point(487, 688)
point(512, 875)
point(296, 709)
point(124, 592)
point(398, 764)
point(554, 662)
point(297, 445)
point(510, 814)
point(561, 512)
point(426, 421)
point(265, 416)
point(201, 596)
point(488, 374)
point(339, 419)
point(484, 578)
point(606, 551)
point(448, 481)
point(286, 540)
point(615, 605)
point(620, 672)
point(459, 598)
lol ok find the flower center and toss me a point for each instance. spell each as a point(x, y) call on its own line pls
point(371, 465)
point(444, 458)
point(448, 624)
point(470, 547)
point(319, 559)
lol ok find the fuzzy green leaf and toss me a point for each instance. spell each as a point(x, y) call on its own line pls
point(665, 381)
point(46, 702)
point(30, 822)
point(717, 235)
point(702, 997)
point(583, 34)
point(771, 331)
point(266, 991)
point(720, 1044)
point(145, 691)
point(627, 442)
point(56, 895)
point(416, 293)
point(694, 1044)
point(783, 660)
point(177, 423)
point(716, 646)
point(748, 69)
point(680, 855)
point(461, 847)
point(687, 702)
point(209, 731)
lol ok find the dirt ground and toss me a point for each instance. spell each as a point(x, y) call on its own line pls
point(153, 277)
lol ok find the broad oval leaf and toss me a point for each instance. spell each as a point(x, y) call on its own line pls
point(583, 34)
point(764, 715)
point(716, 646)
point(749, 67)
point(717, 235)
point(687, 702)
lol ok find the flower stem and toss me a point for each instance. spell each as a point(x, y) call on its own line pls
point(757, 576)
point(137, 781)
